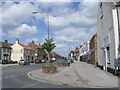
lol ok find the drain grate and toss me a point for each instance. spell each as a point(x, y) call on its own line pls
point(66, 75)
point(65, 84)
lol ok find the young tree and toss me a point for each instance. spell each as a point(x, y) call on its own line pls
point(48, 46)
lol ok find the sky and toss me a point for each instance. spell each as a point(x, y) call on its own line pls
point(70, 23)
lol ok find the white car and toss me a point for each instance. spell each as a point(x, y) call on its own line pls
point(53, 59)
point(43, 60)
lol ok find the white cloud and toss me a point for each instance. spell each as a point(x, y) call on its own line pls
point(23, 31)
point(2, 34)
point(58, 22)
point(65, 16)
point(14, 14)
point(36, 40)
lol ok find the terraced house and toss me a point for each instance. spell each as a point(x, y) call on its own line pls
point(21, 51)
point(5, 51)
point(39, 52)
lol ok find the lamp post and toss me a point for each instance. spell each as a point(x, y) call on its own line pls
point(35, 12)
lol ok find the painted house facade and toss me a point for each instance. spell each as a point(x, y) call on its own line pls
point(21, 51)
point(83, 51)
point(5, 51)
point(108, 33)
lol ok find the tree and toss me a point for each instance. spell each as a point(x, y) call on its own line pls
point(48, 46)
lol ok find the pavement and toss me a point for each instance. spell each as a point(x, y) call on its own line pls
point(78, 74)
point(7, 65)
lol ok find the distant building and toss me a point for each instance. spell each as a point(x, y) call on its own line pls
point(5, 51)
point(39, 52)
point(21, 51)
point(83, 51)
point(94, 50)
point(108, 30)
point(54, 55)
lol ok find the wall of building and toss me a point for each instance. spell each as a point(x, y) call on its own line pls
point(106, 34)
point(93, 46)
point(0, 53)
point(17, 54)
point(29, 54)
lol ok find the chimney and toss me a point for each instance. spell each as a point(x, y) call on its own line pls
point(17, 41)
point(39, 44)
point(33, 41)
point(6, 41)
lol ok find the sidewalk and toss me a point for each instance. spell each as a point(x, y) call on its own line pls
point(78, 74)
point(8, 65)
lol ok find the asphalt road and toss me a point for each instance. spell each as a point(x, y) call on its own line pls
point(16, 77)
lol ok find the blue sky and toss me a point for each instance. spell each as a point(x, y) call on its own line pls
point(73, 22)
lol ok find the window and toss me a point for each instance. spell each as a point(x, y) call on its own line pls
point(8, 50)
point(101, 5)
point(4, 49)
point(21, 50)
point(101, 16)
point(108, 54)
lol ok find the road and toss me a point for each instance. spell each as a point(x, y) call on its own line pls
point(16, 77)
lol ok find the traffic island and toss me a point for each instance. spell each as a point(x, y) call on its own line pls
point(63, 64)
point(49, 68)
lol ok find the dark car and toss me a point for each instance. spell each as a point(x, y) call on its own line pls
point(65, 60)
point(24, 62)
point(38, 61)
point(4, 61)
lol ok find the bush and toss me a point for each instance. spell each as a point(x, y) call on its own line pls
point(49, 65)
point(62, 62)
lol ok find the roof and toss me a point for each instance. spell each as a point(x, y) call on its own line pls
point(26, 47)
point(4, 45)
point(10, 44)
point(35, 46)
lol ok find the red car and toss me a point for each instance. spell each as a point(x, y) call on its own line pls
point(38, 61)
point(51, 60)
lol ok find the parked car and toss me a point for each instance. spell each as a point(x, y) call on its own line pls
point(4, 61)
point(51, 60)
point(38, 61)
point(24, 62)
point(43, 60)
point(65, 60)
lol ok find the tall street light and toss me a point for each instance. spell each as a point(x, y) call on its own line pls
point(35, 12)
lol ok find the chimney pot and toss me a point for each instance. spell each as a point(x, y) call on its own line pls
point(33, 41)
point(6, 41)
point(17, 41)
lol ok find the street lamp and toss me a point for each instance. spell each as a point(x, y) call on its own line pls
point(35, 12)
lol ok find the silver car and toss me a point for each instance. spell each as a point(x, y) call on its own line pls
point(24, 62)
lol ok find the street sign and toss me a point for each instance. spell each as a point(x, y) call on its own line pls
point(116, 63)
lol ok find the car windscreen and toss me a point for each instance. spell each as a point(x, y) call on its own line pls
point(22, 60)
